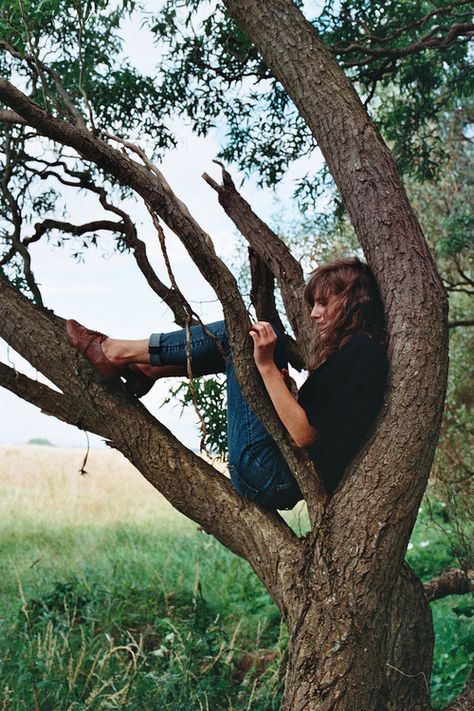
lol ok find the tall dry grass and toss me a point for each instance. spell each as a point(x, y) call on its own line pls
point(44, 484)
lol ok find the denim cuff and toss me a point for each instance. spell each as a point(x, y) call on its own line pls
point(154, 345)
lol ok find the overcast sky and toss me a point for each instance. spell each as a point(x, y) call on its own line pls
point(106, 291)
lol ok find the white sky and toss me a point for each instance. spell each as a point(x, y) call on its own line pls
point(108, 293)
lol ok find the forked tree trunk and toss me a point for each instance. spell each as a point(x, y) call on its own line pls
point(350, 617)
point(360, 629)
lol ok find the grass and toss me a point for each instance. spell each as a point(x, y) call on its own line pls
point(111, 599)
point(430, 551)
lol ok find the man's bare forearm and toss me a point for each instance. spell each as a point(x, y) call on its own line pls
point(288, 409)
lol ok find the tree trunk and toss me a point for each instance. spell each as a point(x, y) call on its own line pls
point(410, 645)
point(339, 661)
point(351, 622)
point(360, 629)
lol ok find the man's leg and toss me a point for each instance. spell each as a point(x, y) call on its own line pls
point(257, 468)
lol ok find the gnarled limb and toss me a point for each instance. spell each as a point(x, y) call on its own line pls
point(191, 485)
point(125, 227)
point(452, 582)
point(154, 189)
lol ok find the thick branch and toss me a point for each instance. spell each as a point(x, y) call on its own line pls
point(451, 582)
point(456, 324)
point(154, 189)
point(262, 293)
point(274, 253)
point(11, 117)
point(188, 482)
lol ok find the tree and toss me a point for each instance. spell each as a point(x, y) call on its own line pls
point(358, 619)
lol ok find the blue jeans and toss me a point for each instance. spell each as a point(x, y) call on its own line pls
point(257, 469)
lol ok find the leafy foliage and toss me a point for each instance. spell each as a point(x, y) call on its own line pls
point(208, 395)
point(405, 58)
point(82, 45)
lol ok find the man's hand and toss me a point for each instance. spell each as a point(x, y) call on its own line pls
point(278, 385)
point(264, 342)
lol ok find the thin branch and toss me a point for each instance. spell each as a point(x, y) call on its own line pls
point(272, 251)
point(17, 245)
point(80, 34)
point(35, 63)
point(451, 582)
point(42, 228)
point(462, 273)
point(125, 227)
point(450, 35)
point(263, 299)
point(188, 320)
point(35, 58)
point(414, 24)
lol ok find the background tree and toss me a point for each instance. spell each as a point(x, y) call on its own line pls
point(359, 622)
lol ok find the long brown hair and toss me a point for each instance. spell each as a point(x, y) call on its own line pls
point(357, 308)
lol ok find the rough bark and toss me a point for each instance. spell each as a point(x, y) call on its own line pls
point(359, 549)
point(357, 620)
point(274, 253)
point(409, 646)
point(451, 582)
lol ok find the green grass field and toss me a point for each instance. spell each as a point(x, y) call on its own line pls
point(109, 599)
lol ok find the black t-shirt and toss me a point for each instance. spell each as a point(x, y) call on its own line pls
point(341, 399)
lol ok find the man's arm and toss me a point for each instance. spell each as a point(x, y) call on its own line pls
point(288, 409)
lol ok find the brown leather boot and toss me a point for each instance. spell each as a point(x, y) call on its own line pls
point(89, 343)
point(137, 381)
